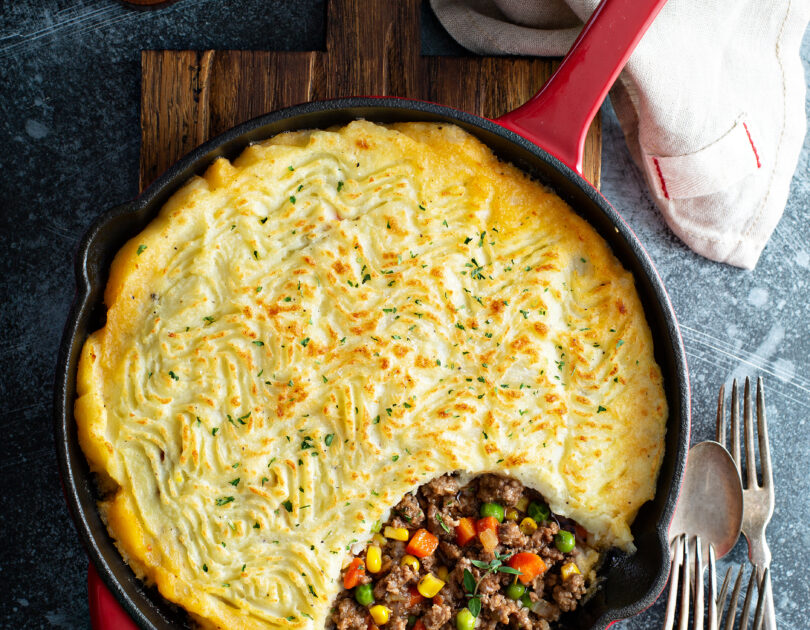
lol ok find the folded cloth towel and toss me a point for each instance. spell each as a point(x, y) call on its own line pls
point(711, 104)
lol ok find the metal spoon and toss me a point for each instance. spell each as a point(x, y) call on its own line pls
point(710, 506)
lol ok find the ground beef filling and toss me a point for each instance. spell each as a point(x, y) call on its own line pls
point(489, 562)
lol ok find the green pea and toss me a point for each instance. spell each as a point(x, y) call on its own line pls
point(564, 541)
point(465, 620)
point(526, 600)
point(492, 509)
point(364, 594)
point(539, 511)
point(411, 621)
point(515, 590)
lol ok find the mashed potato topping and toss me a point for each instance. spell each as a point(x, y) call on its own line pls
point(304, 335)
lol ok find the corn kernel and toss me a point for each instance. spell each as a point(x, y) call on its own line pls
point(429, 586)
point(442, 573)
point(396, 533)
point(511, 514)
point(379, 539)
point(410, 561)
point(523, 504)
point(373, 559)
point(380, 614)
point(528, 526)
point(568, 569)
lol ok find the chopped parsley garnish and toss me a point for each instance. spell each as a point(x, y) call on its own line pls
point(174, 376)
point(328, 439)
point(292, 199)
point(619, 343)
point(395, 458)
point(305, 341)
point(214, 430)
point(339, 186)
point(205, 568)
point(141, 249)
point(287, 505)
point(258, 343)
point(224, 500)
point(235, 482)
point(600, 409)
point(442, 523)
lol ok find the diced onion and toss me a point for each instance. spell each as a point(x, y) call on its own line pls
point(489, 540)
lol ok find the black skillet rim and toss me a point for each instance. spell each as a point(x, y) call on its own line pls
point(92, 263)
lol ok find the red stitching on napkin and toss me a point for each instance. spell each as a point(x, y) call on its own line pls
point(661, 175)
point(756, 155)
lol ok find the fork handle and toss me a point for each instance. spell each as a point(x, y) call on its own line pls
point(770, 612)
point(760, 555)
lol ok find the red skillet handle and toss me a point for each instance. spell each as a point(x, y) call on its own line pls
point(558, 116)
point(105, 612)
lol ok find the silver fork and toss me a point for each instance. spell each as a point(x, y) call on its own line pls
point(682, 572)
point(735, 594)
point(758, 498)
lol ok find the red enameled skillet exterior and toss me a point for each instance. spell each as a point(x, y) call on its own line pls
point(556, 119)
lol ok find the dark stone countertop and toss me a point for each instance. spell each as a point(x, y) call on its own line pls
point(69, 94)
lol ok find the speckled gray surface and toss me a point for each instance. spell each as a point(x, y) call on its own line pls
point(69, 90)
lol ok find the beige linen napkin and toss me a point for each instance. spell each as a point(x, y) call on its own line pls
point(711, 104)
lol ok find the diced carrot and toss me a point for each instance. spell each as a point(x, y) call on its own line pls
point(416, 597)
point(354, 573)
point(488, 522)
point(422, 543)
point(465, 531)
point(419, 625)
point(530, 565)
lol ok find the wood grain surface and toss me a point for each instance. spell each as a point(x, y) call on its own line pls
point(372, 48)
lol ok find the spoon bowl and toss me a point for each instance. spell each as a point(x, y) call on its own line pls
point(711, 501)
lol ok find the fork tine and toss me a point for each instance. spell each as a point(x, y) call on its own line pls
point(759, 616)
point(720, 428)
point(732, 605)
point(748, 422)
point(712, 589)
point(762, 431)
point(683, 621)
point(721, 598)
point(697, 623)
point(735, 427)
point(672, 599)
point(752, 581)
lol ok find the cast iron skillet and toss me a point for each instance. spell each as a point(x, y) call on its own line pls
point(556, 118)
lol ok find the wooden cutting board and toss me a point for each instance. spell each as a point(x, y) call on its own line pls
point(372, 48)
